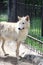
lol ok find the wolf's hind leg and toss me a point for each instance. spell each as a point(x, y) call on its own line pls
point(3, 48)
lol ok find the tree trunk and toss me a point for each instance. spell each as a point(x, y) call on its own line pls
point(12, 10)
point(42, 17)
point(1, 5)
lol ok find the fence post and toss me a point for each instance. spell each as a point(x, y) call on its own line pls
point(12, 10)
point(42, 17)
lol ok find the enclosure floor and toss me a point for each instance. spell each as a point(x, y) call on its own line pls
point(10, 48)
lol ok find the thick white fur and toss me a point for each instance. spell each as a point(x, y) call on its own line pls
point(11, 31)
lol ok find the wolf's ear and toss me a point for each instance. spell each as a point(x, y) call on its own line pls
point(27, 18)
point(19, 18)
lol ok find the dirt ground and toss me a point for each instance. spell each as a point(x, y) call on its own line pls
point(29, 57)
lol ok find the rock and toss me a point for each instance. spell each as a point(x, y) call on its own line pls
point(38, 60)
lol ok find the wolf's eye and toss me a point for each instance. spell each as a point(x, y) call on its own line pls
point(22, 23)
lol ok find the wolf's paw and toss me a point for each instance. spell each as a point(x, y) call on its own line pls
point(19, 57)
point(6, 54)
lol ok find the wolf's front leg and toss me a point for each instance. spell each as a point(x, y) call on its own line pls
point(3, 48)
point(17, 50)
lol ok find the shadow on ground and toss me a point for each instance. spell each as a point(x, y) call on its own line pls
point(8, 61)
point(13, 61)
point(27, 60)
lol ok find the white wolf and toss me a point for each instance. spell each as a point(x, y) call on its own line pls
point(15, 31)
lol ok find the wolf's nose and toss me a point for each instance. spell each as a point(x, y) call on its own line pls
point(19, 28)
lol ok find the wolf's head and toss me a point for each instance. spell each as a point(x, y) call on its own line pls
point(24, 22)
